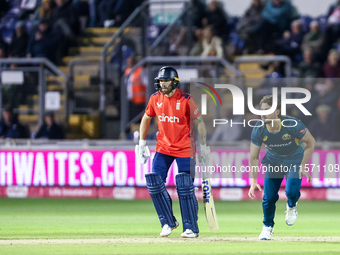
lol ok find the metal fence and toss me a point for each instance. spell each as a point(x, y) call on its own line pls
point(75, 106)
point(139, 19)
point(264, 59)
point(15, 67)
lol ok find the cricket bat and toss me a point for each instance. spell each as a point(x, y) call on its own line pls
point(208, 201)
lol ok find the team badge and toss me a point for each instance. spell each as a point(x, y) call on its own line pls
point(178, 105)
point(265, 138)
point(159, 105)
point(286, 137)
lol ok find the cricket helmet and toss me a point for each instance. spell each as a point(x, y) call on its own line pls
point(167, 73)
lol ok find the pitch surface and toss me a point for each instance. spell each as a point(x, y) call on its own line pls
point(86, 226)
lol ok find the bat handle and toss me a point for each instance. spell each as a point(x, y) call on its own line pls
point(203, 171)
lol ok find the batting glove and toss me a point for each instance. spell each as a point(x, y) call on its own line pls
point(142, 151)
point(204, 155)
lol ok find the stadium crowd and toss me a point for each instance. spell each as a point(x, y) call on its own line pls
point(48, 28)
point(275, 27)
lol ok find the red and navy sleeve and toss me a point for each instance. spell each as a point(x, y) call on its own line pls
point(150, 111)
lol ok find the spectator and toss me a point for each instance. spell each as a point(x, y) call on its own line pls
point(47, 45)
point(198, 47)
point(309, 68)
point(50, 129)
point(2, 53)
point(333, 7)
point(136, 88)
point(65, 18)
point(331, 68)
point(227, 133)
point(3, 47)
point(115, 12)
point(273, 80)
point(250, 21)
point(314, 39)
point(324, 127)
point(208, 45)
point(37, 46)
point(276, 18)
point(18, 46)
point(44, 11)
point(83, 12)
point(251, 18)
point(122, 11)
point(328, 93)
point(10, 126)
point(290, 44)
point(274, 69)
point(197, 19)
point(332, 31)
point(217, 19)
point(105, 9)
point(4, 7)
point(28, 5)
point(120, 54)
point(309, 83)
point(198, 13)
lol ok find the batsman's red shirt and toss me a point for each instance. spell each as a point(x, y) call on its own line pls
point(176, 134)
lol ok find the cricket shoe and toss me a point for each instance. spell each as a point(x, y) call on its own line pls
point(166, 231)
point(291, 215)
point(188, 233)
point(266, 233)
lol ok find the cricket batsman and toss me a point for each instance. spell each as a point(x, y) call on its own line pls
point(175, 111)
point(286, 156)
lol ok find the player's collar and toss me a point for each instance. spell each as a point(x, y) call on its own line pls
point(173, 95)
point(279, 124)
point(279, 127)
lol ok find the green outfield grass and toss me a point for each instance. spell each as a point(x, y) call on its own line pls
point(131, 227)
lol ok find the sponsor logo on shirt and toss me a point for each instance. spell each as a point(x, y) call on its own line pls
point(302, 131)
point(171, 119)
point(286, 137)
point(265, 138)
point(159, 105)
point(279, 145)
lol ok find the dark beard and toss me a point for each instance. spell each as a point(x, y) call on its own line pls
point(168, 91)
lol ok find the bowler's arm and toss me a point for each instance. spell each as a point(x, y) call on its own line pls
point(202, 130)
point(254, 161)
point(310, 145)
point(253, 166)
point(144, 126)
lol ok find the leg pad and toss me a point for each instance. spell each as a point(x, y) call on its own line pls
point(188, 201)
point(161, 199)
